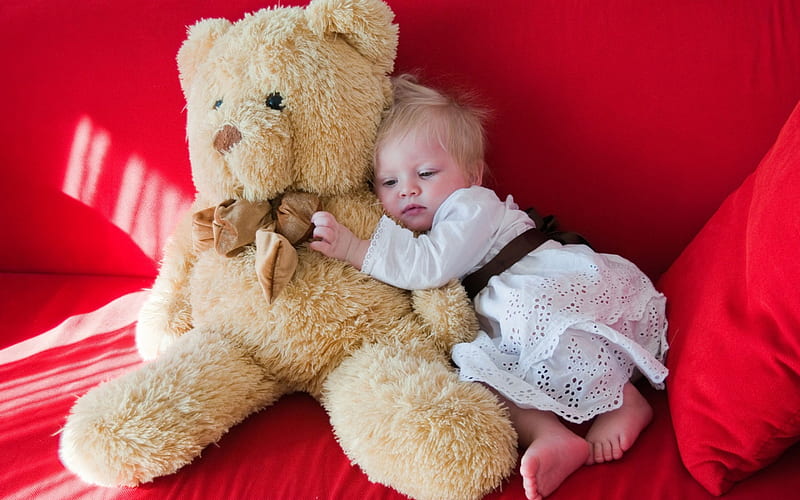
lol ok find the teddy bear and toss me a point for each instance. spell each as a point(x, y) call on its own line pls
point(282, 110)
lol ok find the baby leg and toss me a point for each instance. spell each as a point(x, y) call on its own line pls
point(613, 433)
point(553, 452)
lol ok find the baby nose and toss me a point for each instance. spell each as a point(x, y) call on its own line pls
point(409, 190)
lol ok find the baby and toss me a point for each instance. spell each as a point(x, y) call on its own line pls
point(563, 329)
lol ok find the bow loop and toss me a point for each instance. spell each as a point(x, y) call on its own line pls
point(293, 216)
point(236, 222)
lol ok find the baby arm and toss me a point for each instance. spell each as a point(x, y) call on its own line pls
point(332, 239)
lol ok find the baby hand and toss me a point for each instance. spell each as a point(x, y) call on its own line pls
point(332, 239)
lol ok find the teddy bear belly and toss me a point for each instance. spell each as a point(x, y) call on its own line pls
point(328, 310)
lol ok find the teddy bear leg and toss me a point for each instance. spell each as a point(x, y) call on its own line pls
point(158, 418)
point(409, 423)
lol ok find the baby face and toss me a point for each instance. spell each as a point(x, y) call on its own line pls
point(413, 177)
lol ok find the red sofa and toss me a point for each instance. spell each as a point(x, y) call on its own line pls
point(662, 131)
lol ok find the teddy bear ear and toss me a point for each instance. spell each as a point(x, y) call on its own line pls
point(365, 24)
point(200, 38)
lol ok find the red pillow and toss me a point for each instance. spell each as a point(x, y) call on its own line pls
point(734, 310)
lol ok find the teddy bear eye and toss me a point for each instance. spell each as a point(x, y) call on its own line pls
point(218, 104)
point(275, 101)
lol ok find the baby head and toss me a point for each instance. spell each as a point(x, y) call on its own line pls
point(429, 145)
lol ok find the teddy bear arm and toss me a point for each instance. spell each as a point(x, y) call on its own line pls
point(448, 313)
point(167, 313)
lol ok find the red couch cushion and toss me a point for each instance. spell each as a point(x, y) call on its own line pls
point(33, 303)
point(735, 326)
point(630, 123)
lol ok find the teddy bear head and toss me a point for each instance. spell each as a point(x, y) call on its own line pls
point(287, 98)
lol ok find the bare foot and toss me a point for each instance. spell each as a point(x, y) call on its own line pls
point(613, 433)
point(549, 460)
point(553, 451)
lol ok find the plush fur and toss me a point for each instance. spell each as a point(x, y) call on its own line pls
point(377, 358)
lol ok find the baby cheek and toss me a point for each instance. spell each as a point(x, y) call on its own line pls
point(391, 210)
point(384, 198)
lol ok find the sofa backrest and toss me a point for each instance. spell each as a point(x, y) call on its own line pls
point(630, 121)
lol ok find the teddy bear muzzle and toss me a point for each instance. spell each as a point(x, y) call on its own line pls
point(226, 138)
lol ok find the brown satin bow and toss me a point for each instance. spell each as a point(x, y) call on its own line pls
point(232, 225)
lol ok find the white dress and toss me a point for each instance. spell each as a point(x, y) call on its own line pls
point(562, 330)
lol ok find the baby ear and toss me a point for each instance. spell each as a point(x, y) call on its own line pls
point(366, 25)
point(477, 178)
point(200, 39)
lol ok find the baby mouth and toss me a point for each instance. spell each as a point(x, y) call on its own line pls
point(413, 209)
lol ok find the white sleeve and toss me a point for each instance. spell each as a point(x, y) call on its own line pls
point(461, 236)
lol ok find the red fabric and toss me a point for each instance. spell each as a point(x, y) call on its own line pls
point(45, 230)
point(735, 349)
point(634, 98)
point(34, 303)
point(616, 116)
point(631, 121)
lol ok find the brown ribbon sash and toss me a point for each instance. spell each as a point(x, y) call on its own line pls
point(546, 229)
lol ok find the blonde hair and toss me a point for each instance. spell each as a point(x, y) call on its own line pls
point(455, 123)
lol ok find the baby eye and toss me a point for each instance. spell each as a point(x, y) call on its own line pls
point(427, 173)
point(275, 101)
point(388, 183)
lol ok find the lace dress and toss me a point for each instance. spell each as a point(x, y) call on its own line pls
point(563, 329)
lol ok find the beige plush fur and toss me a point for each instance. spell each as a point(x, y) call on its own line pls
point(376, 357)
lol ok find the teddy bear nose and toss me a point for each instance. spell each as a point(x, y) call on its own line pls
point(226, 138)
